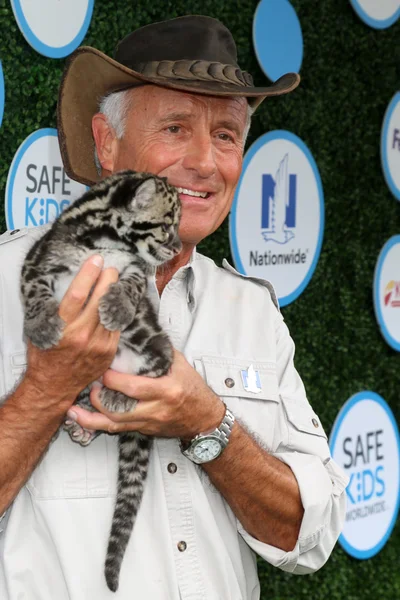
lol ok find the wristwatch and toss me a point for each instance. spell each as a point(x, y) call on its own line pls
point(207, 446)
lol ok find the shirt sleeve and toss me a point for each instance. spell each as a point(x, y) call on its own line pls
point(303, 446)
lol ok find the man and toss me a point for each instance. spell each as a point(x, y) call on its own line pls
point(265, 482)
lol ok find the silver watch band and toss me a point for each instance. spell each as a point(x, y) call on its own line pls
point(225, 428)
point(221, 434)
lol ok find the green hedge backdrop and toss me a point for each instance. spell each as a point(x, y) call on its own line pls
point(349, 74)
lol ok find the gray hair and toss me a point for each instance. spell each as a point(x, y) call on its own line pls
point(116, 106)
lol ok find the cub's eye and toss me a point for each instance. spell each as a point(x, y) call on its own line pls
point(165, 228)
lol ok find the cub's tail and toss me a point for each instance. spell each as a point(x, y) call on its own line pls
point(134, 452)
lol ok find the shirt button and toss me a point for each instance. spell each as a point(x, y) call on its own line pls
point(172, 468)
point(315, 422)
point(229, 382)
point(182, 546)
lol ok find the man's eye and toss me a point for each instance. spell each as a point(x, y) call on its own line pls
point(174, 129)
point(225, 137)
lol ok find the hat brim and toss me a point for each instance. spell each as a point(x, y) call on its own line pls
point(90, 75)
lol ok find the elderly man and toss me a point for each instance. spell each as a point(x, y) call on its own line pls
point(176, 104)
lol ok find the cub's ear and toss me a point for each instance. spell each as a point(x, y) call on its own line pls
point(144, 194)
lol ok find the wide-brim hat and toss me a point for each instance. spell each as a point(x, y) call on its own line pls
point(193, 54)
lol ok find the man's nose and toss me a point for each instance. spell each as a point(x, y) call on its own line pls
point(200, 156)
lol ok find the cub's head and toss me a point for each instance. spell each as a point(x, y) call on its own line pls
point(147, 215)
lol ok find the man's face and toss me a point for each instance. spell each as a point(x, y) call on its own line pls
point(196, 142)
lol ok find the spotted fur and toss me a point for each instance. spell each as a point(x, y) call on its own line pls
point(132, 220)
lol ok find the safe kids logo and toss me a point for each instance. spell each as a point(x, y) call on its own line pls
point(61, 31)
point(277, 219)
point(378, 14)
point(365, 443)
point(387, 291)
point(390, 146)
point(38, 189)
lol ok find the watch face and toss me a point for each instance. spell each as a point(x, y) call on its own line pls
point(207, 449)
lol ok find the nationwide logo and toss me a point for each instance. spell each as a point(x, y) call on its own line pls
point(392, 294)
point(278, 211)
point(277, 218)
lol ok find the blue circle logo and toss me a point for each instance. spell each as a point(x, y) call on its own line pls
point(390, 146)
point(365, 443)
point(378, 14)
point(387, 292)
point(277, 38)
point(63, 29)
point(277, 220)
point(38, 189)
point(2, 94)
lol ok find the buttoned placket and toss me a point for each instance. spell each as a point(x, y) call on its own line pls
point(175, 313)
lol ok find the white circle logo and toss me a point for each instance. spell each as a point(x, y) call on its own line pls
point(387, 291)
point(390, 145)
point(365, 443)
point(277, 218)
point(38, 189)
point(378, 14)
point(57, 27)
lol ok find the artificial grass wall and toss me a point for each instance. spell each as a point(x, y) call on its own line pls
point(349, 74)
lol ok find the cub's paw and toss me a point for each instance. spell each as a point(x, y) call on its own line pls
point(115, 308)
point(116, 401)
point(78, 434)
point(45, 329)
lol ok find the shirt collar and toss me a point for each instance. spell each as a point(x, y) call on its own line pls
point(187, 273)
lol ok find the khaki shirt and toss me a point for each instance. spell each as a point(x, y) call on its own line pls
point(187, 543)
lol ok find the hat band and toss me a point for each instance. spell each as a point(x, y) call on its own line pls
point(196, 69)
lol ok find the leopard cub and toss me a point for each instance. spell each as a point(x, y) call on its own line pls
point(132, 220)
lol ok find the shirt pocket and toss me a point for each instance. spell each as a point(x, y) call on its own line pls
point(69, 470)
point(305, 431)
point(257, 410)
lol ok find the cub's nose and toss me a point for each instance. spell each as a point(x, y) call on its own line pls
point(176, 244)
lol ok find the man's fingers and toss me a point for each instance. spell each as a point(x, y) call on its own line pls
point(90, 314)
point(91, 420)
point(79, 290)
point(135, 386)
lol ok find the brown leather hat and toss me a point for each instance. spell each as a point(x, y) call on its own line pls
point(194, 54)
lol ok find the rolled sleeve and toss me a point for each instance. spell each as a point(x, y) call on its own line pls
point(322, 490)
point(301, 443)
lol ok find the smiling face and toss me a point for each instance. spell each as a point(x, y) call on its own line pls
point(195, 141)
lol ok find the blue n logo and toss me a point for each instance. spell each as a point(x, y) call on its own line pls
point(278, 206)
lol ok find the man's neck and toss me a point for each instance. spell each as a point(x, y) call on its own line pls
point(166, 271)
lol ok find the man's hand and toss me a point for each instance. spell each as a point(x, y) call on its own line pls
point(86, 349)
point(178, 404)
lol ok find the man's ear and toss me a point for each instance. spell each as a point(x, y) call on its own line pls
point(105, 141)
